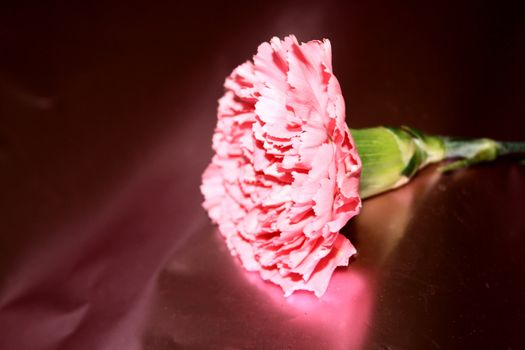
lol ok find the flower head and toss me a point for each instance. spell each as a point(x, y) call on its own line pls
point(284, 179)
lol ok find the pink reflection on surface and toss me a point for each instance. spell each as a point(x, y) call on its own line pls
point(340, 318)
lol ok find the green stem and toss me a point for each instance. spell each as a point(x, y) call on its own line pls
point(511, 148)
point(391, 156)
point(477, 150)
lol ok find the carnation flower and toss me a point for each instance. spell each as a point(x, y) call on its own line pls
point(285, 175)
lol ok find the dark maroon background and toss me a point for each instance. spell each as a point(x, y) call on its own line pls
point(106, 115)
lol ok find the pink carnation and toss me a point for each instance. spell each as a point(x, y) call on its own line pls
point(285, 176)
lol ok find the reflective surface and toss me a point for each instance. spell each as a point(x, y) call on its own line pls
point(106, 114)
